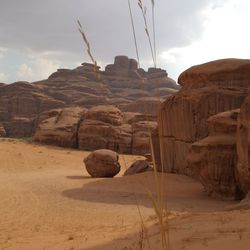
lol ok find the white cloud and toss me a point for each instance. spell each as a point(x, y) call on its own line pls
point(36, 69)
point(2, 52)
point(4, 77)
point(24, 72)
point(225, 35)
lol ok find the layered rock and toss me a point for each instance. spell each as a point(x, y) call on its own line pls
point(120, 84)
point(207, 89)
point(20, 103)
point(146, 105)
point(103, 128)
point(213, 159)
point(141, 132)
point(60, 127)
point(2, 131)
point(243, 148)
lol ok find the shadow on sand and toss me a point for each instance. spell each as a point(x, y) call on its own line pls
point(121, 190)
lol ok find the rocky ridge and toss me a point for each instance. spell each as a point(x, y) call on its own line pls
point(122, 85)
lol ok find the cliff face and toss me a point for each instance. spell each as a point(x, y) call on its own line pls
point(206, 90)
point(243, 149)
point(213, 159)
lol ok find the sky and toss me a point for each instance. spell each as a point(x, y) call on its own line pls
point(38, 37)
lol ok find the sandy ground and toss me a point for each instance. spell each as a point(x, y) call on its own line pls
point(48, 201)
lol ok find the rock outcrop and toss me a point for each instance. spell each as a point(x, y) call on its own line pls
point(213, 159)
point(100, 127)
point(206, 90)
point(60, 127)
point(20, 103)
point(102, 163)
point(243, 147)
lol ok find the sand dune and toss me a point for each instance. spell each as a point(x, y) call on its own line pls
point(48, 201)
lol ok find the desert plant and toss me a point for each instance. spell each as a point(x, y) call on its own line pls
point(158, 202)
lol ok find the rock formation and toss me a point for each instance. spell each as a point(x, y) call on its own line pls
point(122, 84)
point(100, 127)
point(20, 103)
point(213, 159)
point(243, 149)
point(60, 127)
point(102, 163)
point(206, 90)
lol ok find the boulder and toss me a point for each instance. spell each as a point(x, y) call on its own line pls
point(205, 92)
point(137, 167)
point(102, 163)
point(106, 113)
point(103, 127)
point(60, 128)
point(94, 134)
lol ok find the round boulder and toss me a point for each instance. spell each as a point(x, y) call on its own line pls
point(102, 163)
point(137, 167)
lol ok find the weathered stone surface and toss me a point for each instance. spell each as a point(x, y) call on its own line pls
point(146, 105)
point(219, 73)
point(20, 103)
point(137, 167)
point(19, 126)
point(2, 131)
point(108, 114)
point(103, 127)
point(94, 134)
point(60, 128)
point(141, 132)
point(243, 147)
point(102, 163)
point(213, 159)
point(183, 116)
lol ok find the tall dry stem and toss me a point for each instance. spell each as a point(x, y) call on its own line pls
point(134, 33)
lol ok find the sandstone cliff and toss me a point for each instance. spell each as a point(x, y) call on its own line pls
point(206, 90)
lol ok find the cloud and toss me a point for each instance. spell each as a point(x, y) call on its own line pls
point(3, 51)
point(224, 36)
point(3, 77)
point(51, 26)
point(36, 69)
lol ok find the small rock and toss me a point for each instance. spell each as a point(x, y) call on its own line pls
point(137, 167)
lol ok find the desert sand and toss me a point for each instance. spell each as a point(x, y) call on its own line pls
point(48, 201)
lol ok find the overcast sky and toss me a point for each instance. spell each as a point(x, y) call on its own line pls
point(39, 36)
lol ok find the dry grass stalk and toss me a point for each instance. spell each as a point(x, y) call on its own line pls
point(158, 202)
point(144, 15)
point(134, 34)
point(89, 52)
